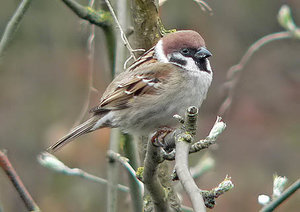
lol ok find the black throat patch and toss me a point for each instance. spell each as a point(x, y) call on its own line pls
point(202, 64)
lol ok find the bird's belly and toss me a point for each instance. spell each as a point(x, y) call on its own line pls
point(149, 118)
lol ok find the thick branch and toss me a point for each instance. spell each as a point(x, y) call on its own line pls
point(16, 181)
point(151, 181)
point(113, 172)
point(183, 142)
point(145, 19)
point(100, 18)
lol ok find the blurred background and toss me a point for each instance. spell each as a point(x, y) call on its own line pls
point(44, 83)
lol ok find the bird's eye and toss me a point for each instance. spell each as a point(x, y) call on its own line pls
point(185, 51)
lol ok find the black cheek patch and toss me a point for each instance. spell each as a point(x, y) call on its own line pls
point(178, 61)
point(202, 64)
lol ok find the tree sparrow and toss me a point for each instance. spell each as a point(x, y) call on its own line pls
point(164, 81)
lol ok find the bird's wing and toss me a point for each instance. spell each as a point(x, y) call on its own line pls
point(133, 84)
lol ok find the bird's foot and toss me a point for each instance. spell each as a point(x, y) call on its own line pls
point(158, 138)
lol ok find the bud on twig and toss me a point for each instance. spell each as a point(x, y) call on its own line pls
point(217, 129)
point(51, 162)
point(285, 19)
point(263, 199)
point(279, 184)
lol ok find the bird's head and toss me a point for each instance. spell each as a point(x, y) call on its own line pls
point(185, 49)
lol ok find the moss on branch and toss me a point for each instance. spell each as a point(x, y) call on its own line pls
point(100, 18)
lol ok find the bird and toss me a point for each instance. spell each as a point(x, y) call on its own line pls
point(167, 79)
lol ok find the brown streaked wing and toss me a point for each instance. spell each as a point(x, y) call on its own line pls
point(147, 58)
point(131, 85)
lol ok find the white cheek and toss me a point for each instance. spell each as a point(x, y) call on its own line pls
point(208, 67)
point(159, 52)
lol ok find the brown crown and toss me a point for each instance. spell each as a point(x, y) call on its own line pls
point(182, 39)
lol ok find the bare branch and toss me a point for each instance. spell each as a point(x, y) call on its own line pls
point(123, 37)
point(51, 162)
point(91, 59)
point(183, 142)
point(17, 182)
point(210, 196)
point(130, 149)
point(125, 162)
point(151, 181)
point(216, 130)
point(100, 18)
point(286, 21)
point(13, 25)
point(232, 73)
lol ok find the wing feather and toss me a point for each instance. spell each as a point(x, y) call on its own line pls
point(130, 85)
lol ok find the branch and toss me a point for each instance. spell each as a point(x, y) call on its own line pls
point(151, 181)
point(130, 150)
point(125, 162)
point(286, 21)
point(216, 130)
point(232, 73)
point(119, 51)
point(113, 172)
point(183, 142)
point(51, 162)
point(145, 20)
point(123, 35)
point(13, 25)
point(100, 18)
point(286, 194)
point(16, 181)
point(205, 164)
point(210, 196)
point(91, 60)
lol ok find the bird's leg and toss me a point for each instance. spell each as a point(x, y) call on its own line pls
point(158, 138)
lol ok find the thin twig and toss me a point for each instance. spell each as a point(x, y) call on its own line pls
point(123, 36)
point(125, 163)
point(113, 167)
point(287, 193)
point(17, 182)
point(13, 25)
point(51, 162)
point(204, 6)
point(210, 196)
point(205, 164)
point(183, 142)
point(232, 73)
point(91, 59)
point(285, 19)
point(217, 129)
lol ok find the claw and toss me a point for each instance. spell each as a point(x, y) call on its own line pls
point(159, 136)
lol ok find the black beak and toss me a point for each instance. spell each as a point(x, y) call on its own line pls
point(202, 53)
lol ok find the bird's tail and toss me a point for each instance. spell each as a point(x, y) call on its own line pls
point(83, 128)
